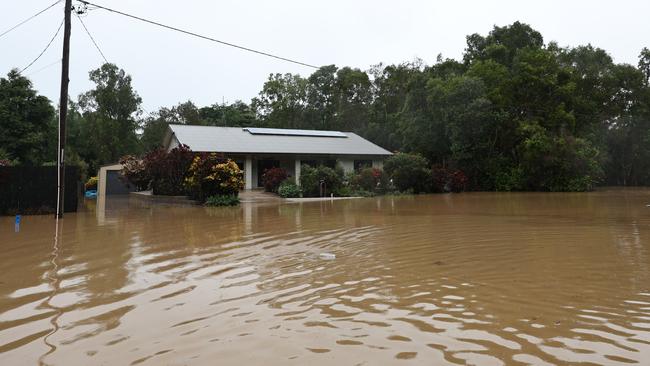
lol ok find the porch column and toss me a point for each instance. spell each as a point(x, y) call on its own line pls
point(248, 172)
point(297, 171)
point(379, 164)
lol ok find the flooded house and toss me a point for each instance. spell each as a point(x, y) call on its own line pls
point(258, 149)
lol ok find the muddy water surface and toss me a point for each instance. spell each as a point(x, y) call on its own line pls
point(469, 279)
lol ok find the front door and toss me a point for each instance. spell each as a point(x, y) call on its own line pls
point(262, 166)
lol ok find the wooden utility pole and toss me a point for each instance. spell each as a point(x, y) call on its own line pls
point(63, 109)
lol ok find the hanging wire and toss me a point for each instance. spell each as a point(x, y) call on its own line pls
point(30, 18)
point(45, 49)
point(198, 35)
point(92, 38)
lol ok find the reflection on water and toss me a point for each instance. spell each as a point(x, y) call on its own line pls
point(478, 279)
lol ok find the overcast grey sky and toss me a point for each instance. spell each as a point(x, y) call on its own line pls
point(169, 67)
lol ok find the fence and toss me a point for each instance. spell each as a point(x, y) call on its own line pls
point(32, 190)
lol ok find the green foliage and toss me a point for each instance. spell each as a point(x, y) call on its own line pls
point(109, 113)
point(27, 121)
point(348, 191)
point(408, 172)
point(331, 98)
point(289, 189)
point(312, 177)
point(513, 114)
point(211, 175)
point(510, 180)
point(91, 184)
point(222, 200)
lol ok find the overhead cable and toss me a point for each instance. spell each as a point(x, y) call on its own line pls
point(198, 35)
point(92, 38)
point(30, 18)
point(44, 67)
point(45, 49)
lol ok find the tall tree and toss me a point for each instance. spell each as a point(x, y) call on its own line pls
point(110, 112)
point(282, 101)
point(644, 64)
point(26, 121)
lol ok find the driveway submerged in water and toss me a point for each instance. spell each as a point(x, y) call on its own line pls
point(482, 278)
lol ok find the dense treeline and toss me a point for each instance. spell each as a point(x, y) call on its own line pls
point(515, 113)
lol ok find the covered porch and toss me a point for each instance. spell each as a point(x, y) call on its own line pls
point(254, 165)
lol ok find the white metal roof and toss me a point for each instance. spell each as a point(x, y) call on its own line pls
point(271, 141)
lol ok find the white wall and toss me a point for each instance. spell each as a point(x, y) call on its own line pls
point(347, 164)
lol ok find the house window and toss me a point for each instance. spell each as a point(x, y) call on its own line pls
point(362, 164)
point(329, 163)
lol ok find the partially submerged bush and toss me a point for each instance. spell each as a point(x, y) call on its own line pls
point(512, 179)
point(370, 180)
point(273, 177)
point(289, 189)
point(91, 184)
point(408, 172)
point(168, 170)
point(134, 172)
point(447, 180)
point(211, 175)
point(222, 200)
point(312, 177)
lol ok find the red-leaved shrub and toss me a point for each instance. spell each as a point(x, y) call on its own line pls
point(371, 180)
point(447, 180)
point(273, 177)
point(168, 170)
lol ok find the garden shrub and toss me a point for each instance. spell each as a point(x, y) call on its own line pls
point(168, 170)
point(134, 172)
point(447, 180)
point(408, 172)
point(370, 180)
point(222, 200)
point(512, 179)
point(211, 175)
point(5, 159)
point(91, 184)
point(310, 178)
point(289, 189)
point(273, 177)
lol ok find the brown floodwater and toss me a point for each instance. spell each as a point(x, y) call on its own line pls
point(467, 279)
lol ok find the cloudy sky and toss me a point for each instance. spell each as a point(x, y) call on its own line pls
point(168, 67)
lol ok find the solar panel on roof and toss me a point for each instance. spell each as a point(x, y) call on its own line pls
point(287, 132)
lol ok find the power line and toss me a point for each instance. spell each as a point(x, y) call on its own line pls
point(198, 35)
point(92, 39)
point(44, 67)
point(45, 49)
point(30, 18)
